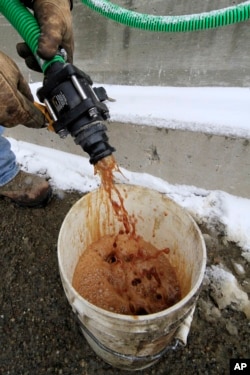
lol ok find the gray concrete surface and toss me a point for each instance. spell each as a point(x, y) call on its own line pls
point(113, 53)
point(179, 157)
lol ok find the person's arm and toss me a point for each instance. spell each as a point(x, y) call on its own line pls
point(55, 21)
point(16, 100)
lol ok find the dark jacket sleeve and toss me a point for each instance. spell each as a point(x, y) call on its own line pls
point(29, 3)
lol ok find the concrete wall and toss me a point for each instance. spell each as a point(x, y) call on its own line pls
point(113, 53)
point(180, 157)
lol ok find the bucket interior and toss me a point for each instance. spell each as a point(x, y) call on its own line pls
point(159, 221)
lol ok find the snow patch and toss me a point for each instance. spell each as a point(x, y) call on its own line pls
point(226, 291)
point(219, 211)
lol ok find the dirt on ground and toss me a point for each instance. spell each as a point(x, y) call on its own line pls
point(38, 330)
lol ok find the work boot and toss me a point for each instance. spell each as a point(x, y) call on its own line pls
point(27, 190)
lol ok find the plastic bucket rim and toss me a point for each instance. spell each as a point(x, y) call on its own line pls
point(132, 318)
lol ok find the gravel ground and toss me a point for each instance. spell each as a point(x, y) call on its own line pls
point(38, 332)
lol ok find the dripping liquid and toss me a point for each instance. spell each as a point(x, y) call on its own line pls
point(123, 273)
point(106, 168)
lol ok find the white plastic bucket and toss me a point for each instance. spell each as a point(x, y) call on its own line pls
point(124, 341)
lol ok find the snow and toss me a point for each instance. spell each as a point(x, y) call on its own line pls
point(216, 110)
point(226, 290)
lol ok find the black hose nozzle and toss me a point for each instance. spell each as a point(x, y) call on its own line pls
point(77, 108)
point(93, 140)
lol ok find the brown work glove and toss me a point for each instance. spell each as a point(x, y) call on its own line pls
point(55, 21)
point(16, 100)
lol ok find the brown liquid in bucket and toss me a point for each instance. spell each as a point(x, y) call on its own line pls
point(126, 275)
point(123, 273)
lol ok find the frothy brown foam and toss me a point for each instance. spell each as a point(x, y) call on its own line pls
point(125, 274)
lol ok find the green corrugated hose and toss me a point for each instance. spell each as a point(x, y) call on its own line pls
point(26, 25)
point(193, 22)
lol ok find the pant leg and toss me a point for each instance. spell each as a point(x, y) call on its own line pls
point(8, 164)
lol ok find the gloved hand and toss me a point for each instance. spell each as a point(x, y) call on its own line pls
point(55, 21)
point(16, 100)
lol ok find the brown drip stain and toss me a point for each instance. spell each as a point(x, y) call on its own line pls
point(123, 273)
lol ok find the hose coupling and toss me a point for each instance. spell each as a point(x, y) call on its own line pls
point(77, 108)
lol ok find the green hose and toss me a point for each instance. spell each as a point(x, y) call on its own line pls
point(201, 21)
point(26, 25)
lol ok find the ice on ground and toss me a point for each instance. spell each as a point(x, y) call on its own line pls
point(226, 290)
